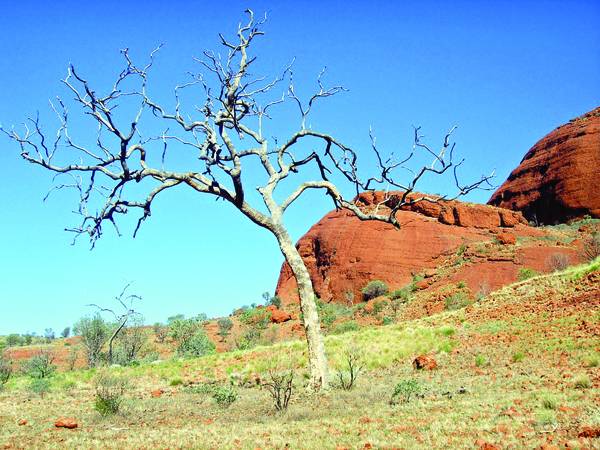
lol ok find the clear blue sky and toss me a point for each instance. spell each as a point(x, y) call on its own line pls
point(505, 72)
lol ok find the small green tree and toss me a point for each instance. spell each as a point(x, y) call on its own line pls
point(66, 332)
point(41, 365)
point(190, 337)
point(225, 325)
point(94, 332)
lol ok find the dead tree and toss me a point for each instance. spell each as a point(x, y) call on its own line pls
point(225, 134)
point(121, 319)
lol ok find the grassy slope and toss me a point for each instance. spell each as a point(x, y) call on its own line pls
point(518, 354)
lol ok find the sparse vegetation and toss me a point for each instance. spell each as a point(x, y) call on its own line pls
point(526, 273)
point(457, 301)
point(350, 372)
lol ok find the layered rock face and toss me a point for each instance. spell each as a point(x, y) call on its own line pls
point(557, 179)
point(344, 253)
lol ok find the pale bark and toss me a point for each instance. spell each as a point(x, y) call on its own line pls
point(312, 325)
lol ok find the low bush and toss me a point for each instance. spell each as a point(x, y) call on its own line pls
point(176, 382)
point(481, 361)
point(280, 386)
point(224, 395)
point(330, 312)
point(248, 339)
point(557, 262)
point(518, 356)
point(257, 317)
point(374, 289)
point(405, 390)
point(109, 394)
point(6, 370)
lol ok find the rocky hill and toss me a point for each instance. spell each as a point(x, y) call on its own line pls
point(344, 253)
point(557, 179)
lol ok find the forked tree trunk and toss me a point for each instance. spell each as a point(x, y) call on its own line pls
point(312, 325)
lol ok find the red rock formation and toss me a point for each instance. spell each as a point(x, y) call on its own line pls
point(343, 253)
point(557, 179)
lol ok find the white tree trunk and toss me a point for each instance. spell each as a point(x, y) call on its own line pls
point(317, 359)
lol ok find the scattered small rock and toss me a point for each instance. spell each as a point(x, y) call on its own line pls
point(22, 422)
point(424, 362)
point(66, 422)
point(590, 432)
point(157, 393)
point(482, 445)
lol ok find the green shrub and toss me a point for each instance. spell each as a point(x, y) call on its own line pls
point(374, 289)
point(40, 365)
point(461, 285)
point(109, 394)
point(248, 339)
point(344, 327)
point(481, 361)
point(176, 382)
point(405, 390)
point(457, 301)
point(387, 320)
point(518, 356)
point(39, 386)
point(224, 395)
point(526, 273)
point(401, 295)
point(330, 312)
